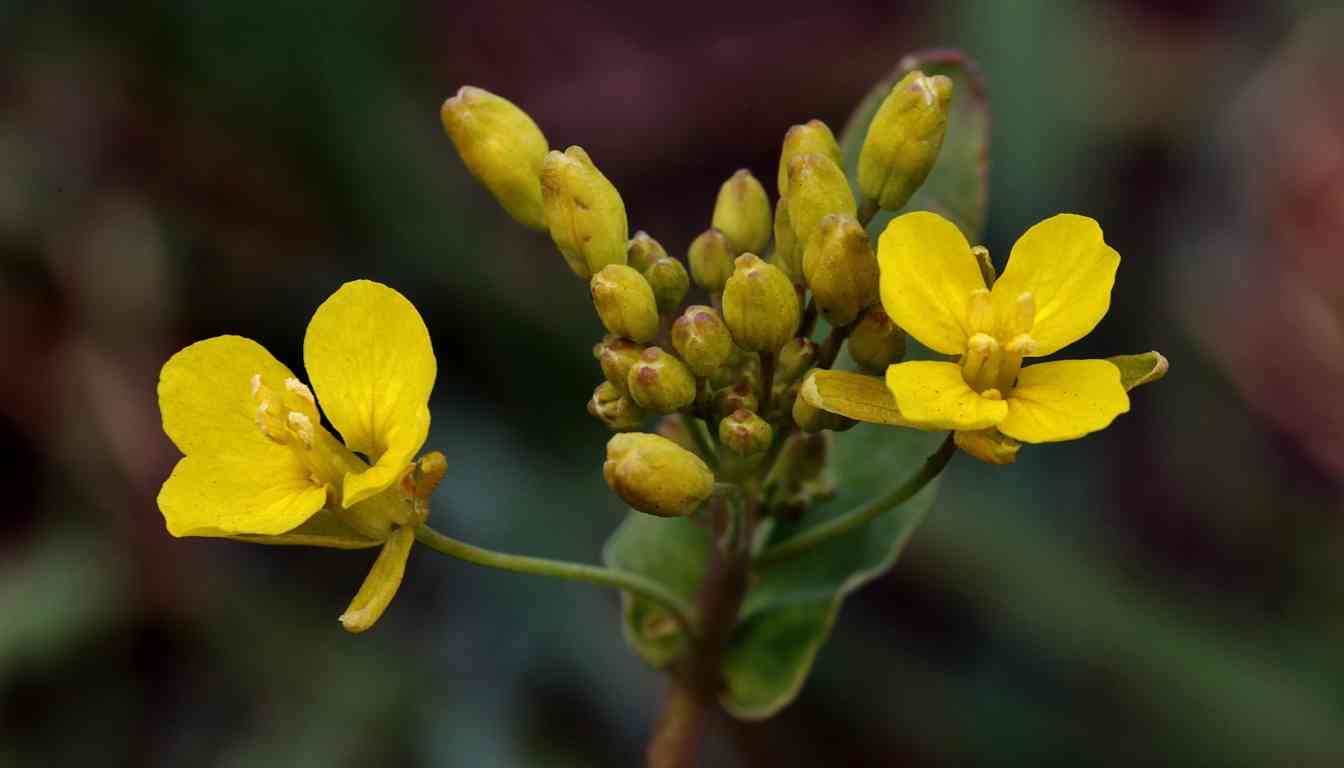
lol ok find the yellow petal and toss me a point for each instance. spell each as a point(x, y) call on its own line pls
point(245, 489)
point(381, 585)
point(933, 395)
point(372, 366)
point(1069, 270)
point(205, 394)
point(1064, 400)
point(927, 276)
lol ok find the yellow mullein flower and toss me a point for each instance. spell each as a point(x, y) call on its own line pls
point(1055, 289)
point(259, 465)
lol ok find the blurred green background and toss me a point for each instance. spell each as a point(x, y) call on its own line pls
point(1170, 590)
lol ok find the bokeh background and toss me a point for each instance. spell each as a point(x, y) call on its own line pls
point(1168, 591)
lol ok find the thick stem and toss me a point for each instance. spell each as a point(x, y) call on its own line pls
point(680, 730)
point(867, 211)
point(767, 381)
point(830, 349)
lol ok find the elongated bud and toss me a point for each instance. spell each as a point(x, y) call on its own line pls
point(643, 250)
point(660, 382)
point(810, 418)
point(817, 188)
point(903, 140)
point(584, 212)
point(669, 282)
point(988, 445)
point(742, 213)
point(760, 305)
point(615, 408)
point(625, 302)
point(795, 358)
point(812, 136)
point(745, 433)
point(655, 475)
point(711, 257)
point(502, 147)
point(788, 254)
point(841, 269)
point(702, 339)
point(876, 342)
point(739, 397)
point(616, 355)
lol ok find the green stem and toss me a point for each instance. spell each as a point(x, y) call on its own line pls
point(847, 522)
point(561, 569)
point(700, 434)
point(867, 211)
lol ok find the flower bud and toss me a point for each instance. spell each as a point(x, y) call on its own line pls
point(745, 433)
point(711, 257)
point(501, 147)
point(584, 212)
point(810, 418)
point(876, 342)
point(795, 358)
point(732, 369)
point(903, 139)
point(702, 340)
point(988, 445)
point(655, 475)
point(812, 136)
point(669, 282)
point(660, 382)
point(625, 302)
point(739, 397)
point(742, 213)
point(840, 269)
point(788, 255)
point(615, 409)
point(643, 250)
point(760, 305)
point(817, 187)
point(616, 356)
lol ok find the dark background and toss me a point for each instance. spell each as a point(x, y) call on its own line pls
point(1169, 590)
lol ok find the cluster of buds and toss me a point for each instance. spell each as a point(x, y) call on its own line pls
point(731, 364)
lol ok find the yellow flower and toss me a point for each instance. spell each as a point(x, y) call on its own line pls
point(260, 466)
point(1055, 289)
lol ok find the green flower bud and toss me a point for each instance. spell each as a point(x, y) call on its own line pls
point(584, 212)
point(795, 358)
point(501, 147)
point(988, 445)
point(616, 356)
point(739, 397)
point(903, 140)
point(669, 282)
point(711, 257)
point(840, 269)
point(732, 369)
point(760, 305)
point(788, 254)
point(702, 340)
point(810, 418)
point(745, 433)
point(655, 475)
point(742, 213)
point(625, 302)
point(812, 136)
point(817, 187)
point(643, 250)
point(876, 342)
point(660, 382)
point(615, 409)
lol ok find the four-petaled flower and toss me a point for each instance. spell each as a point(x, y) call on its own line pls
point(1054, 290)
point(259, 465)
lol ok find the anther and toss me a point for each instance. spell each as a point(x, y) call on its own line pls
point(1020, 346)
point(299, 388)
point(1021, 316)
point(980, 312)
point(302, 427)
point(980, 365)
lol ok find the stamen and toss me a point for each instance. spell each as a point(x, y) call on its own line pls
point(1021, 316)
point(980, 365)
point(256, 385)
point(980, 312)
point(299, 388)
point(302, 426)
point(1021, 346)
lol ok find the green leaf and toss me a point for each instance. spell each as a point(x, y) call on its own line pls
point(958, 185)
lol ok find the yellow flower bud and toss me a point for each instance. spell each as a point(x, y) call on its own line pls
point(788, 254)
point(655, 475)
point(812, 136)
point(615, 408)
point(711, 257)
point(745, 433)
point(660, 382)
point(702, 339)
point(669, 282)
point(988, 445)
point(584, 212)
point(643, 250)
point(817, 187)
point(616, 355)
point(739, 397)
point(795, 358)
point(903, 139)
point(840, 269)
point(876, 342)
point(625, 302)
point(760, 305)
point(742, 213)
point(810, 418)
point(502, 147)
point(740, 362)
